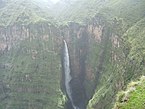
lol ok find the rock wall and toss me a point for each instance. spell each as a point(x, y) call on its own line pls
point(30, 67)
point(31, 72)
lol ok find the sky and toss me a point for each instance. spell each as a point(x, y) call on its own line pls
point(55, 1)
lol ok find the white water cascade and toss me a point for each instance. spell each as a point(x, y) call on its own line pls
point(68, 78)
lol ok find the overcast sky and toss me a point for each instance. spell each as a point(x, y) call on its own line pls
point(55, 1)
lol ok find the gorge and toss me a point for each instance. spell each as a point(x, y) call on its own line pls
point(75, 54)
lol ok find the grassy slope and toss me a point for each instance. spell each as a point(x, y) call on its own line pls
point(133, 97)
point(131, 13)
point(136, 98)
point(80, 11)
point(24, 12)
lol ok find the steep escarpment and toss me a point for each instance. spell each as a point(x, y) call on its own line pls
point(125, 63)
point(122, 60)
point(88, 46)
point(30, 62)
point(105, 42)
point(29, 58)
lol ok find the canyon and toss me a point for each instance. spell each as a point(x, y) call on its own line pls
point(78, 56)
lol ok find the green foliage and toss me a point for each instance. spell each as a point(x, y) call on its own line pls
point(80, 11)
point(126, 17)
point(136, 38)
point(134, 96)
point(24, 12)
point(33, 79)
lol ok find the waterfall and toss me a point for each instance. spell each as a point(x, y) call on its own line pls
point(68, 78)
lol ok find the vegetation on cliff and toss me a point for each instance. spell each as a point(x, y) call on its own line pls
point(25, 12)
point(133, 97)
point(30, 77)
point(126, 19)
point(30, 63)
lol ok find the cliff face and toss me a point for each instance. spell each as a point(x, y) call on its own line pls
point(29, 55)
point(103, 58)
point(87, 48)
point(29, 64)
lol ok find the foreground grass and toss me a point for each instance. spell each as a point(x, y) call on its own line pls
point(133, 97)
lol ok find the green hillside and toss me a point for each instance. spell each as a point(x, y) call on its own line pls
point(25, 12)
point(30, 52)
point(133, 97)
point(32, 76)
